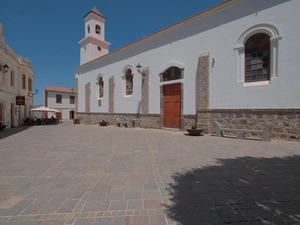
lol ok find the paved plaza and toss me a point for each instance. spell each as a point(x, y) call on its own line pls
point(91, 175)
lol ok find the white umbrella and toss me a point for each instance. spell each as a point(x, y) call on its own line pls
point(43, 109)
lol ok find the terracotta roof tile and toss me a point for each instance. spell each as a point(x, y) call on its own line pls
point(59, 89)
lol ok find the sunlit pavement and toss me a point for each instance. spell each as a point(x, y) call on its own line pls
point(86, 174)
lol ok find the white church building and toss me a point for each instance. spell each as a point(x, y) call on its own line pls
point(236, 63)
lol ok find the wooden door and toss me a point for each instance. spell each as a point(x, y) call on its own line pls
point(71, 116)
point(172, 105)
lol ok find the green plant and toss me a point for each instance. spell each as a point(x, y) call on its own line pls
point(103, 121)
point(194, 126)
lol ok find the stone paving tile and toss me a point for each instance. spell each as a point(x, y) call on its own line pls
point(135, 204)
point(85, 221)
point(18, 208)
point(67, 206)
point(103, 221)
point(132, 195)
point(118, 205)
point(184, 180)
point(96, 206)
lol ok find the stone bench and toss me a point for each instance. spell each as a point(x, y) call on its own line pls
point(125, 123)
point(265, 133)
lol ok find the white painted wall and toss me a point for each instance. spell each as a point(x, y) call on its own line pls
point(216, 33)
point(65, 107)
point(13, 115)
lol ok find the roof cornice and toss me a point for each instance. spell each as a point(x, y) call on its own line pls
point(167, 29)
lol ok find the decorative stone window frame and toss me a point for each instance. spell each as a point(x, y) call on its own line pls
point(275, 35)
point(98, 87)
point(123, 76)
point(169, 65)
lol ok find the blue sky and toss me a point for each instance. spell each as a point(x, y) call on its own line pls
point(47, 32)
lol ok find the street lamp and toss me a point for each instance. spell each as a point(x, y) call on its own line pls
point(30, 94)
point(139, 69)
point(5, 68)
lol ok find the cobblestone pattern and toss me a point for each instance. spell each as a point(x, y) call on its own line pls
point(145, 91)
point(287, 121)
point(111, 94)
point(88, 97)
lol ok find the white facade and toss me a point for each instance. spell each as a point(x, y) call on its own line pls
point(220, 33)
point(65, 104)
point(18, 81)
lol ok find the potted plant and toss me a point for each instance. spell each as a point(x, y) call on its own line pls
point(103, 123)
point(194, 131)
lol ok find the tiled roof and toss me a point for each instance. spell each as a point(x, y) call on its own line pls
point(59, 89)
point(96, 11)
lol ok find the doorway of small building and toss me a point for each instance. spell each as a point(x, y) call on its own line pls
point(58, 116)
point(172, 105)
point(71, 115)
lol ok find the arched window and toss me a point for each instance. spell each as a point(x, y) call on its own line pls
point(257, 58)
point(97, 29)
point(129, 82)
point(173, 73)
point(101, 87)
point(88, 29)
point(258, 38)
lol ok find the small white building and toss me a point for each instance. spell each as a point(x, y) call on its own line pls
point(236, 62)
point(62, 99)
point(16, 86)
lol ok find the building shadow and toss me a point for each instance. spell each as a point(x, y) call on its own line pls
point(243, 190)
point(11, 131)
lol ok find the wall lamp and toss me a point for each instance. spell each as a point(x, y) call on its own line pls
point(30, 94)
point(139, 69)
point(5, 68)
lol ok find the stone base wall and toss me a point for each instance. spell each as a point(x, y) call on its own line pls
point(142, 120)
point(286, 121)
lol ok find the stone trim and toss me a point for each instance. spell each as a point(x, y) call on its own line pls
point(203, 82)
point(202, 89)
point(287, 121)
point(111, 94)
point(145, 91)
point(88, 97)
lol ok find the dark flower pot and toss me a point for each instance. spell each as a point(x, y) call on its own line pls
point(2, 127)
point(103, 123)
point(194, 132)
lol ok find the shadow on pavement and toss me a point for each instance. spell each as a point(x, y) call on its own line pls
point(244, 190)
point(11, 131)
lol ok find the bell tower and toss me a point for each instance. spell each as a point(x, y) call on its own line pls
point(93, 45)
